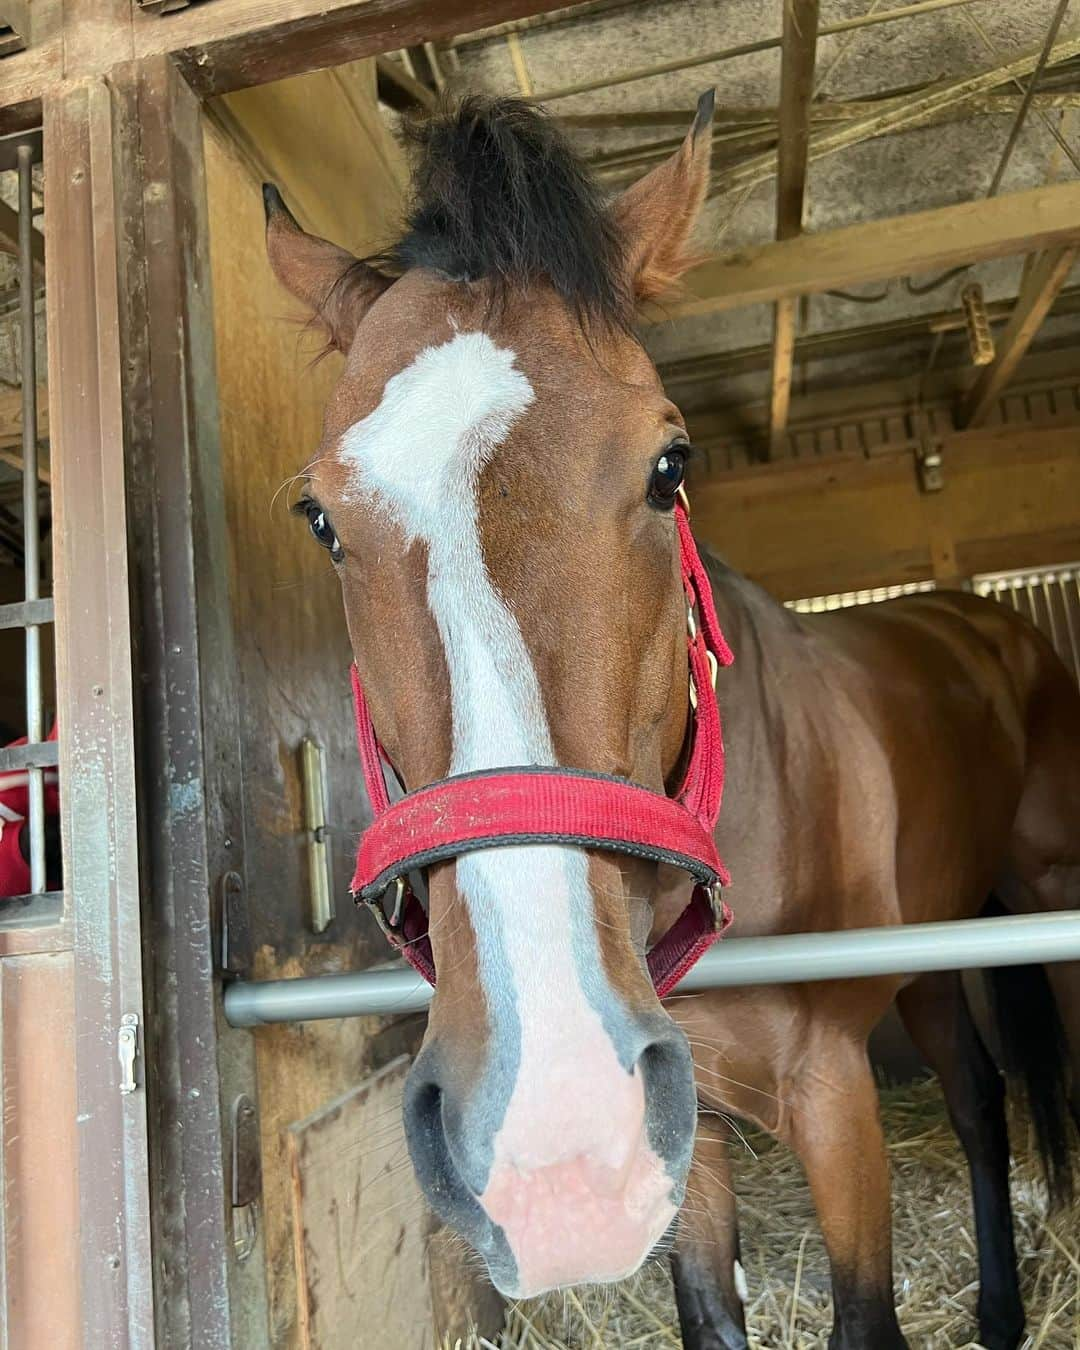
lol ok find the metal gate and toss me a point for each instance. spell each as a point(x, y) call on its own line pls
point(1049, 597)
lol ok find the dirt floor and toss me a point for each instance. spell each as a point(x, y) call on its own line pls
point(787, 1274)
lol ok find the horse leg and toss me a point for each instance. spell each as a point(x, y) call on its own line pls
point(705, 1263)
point(936, 1013)
point(834, 1126)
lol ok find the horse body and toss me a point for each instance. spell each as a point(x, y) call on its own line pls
point(890, 764)
point(495, 487)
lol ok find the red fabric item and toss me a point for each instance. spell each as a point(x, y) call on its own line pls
point(543, 804)
point(14, 809)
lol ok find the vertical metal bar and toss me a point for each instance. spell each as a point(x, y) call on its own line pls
point(31, 530)
point(1048, 598)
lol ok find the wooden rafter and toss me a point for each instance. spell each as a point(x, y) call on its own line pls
point(796, 92)
point(921, 107)
point(1038, 292)
point(924, 241)
point(9, 238)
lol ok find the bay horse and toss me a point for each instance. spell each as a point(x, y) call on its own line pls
point(495, 487)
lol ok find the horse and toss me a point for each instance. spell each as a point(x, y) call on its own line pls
point(496, 488)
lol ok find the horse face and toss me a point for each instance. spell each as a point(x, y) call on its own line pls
point(491, 486)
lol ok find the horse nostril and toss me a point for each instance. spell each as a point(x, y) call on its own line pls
point(667, 1071)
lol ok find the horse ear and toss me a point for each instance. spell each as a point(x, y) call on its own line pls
point(329, 281)
point(658, 214)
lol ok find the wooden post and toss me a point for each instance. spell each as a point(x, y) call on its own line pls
point(796, 92)
point(187, 716)
point(1039, 290)
point(94, 699)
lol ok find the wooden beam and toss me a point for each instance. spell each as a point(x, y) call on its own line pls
point(220, 48)
point(796, 92)
point(1039, 291)
point(924, 241)
point(844, 522)
point(9, 238)
point(398, 89)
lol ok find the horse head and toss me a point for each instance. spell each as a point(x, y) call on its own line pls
point(495, 488)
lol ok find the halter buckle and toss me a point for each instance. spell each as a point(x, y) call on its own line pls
point(716, 904)
point(389, 923)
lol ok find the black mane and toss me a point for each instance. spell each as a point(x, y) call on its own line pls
point(499, 195)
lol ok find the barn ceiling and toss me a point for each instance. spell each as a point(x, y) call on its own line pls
point(624, 79)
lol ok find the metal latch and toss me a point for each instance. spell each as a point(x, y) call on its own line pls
point(127, 1050)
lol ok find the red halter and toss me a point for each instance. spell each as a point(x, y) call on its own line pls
point(548, 805)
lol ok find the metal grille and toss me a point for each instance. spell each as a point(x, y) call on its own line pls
point(818, 604)
point(1049, 597)
point(22, 507)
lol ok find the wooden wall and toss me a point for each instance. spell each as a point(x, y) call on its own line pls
point(1011, 498)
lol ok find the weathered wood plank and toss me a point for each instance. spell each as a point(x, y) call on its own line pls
point(921, 242)
point(247, 42)
point(359, 1223)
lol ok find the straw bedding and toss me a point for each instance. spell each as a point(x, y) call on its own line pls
point(787, 1273)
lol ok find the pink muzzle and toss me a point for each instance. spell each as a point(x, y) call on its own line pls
point(544, 804)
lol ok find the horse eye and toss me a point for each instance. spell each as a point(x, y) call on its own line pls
point(323, 531)
point(667, 477)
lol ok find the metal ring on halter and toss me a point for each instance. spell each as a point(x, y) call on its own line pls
point(716, 904)
point(389, 923)
point(684, 498)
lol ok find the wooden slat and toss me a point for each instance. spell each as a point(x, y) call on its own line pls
point(921, 242)
point(1038, 292)
point(796, 91)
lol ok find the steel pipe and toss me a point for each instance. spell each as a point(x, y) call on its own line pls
point(1014, 940)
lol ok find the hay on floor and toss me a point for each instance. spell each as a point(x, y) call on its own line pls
point(786, 1268)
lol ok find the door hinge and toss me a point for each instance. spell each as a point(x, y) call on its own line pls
point(127, 1050)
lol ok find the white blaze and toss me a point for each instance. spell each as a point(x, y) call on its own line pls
point(419, 456)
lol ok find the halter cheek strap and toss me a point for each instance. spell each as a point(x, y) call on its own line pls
point(542, 804)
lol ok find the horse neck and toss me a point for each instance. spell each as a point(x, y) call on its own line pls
point(773, 706)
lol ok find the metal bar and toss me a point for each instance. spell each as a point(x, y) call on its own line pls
point(793, 958)
point(1029, 94)
point(36, 755)
point(747, 49)
point(31, 524)
point(23, 612)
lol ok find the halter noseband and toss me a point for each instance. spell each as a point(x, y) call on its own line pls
point(542, 804)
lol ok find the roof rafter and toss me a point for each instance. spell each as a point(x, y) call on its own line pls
point(796, 92)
